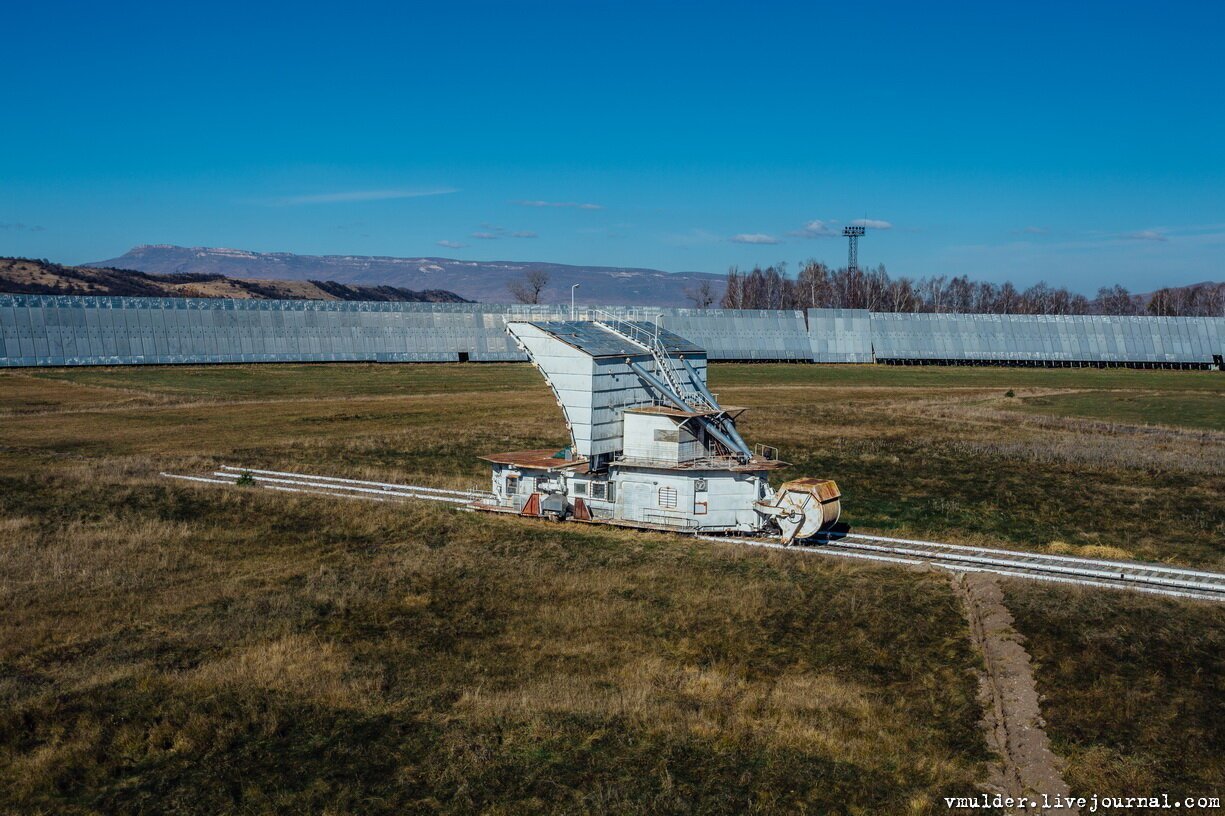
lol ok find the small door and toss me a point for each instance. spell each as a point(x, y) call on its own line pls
point(700, 497)
point(637, 499)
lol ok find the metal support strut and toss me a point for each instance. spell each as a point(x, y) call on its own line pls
point(711, 427)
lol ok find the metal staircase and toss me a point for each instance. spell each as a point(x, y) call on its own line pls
point(664, 364)
point(686, 392)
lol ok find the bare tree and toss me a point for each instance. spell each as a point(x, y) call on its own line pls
point(959, 295)
point(733, 295)
point(1213, 302)
point(985, 296)
point(1115, 300)
point(1037, 299)
point(528, 290)
point(1162, 303)
point(933, 292)
point(813, 286)
point(1200, 300)
point(901, 296)
point(1008, 301)
point(819, 287)
point(702, 294)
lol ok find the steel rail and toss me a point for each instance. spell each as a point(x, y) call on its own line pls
point(231, 483)
point(827, 538)
point(1138, 576)
point(476, 494)
point(1029, 574)
point(356, 488)
point(1024, 560)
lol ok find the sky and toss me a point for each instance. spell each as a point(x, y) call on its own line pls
point(1077, 143)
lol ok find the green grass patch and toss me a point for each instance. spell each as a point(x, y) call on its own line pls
point(1190, 410)
point(290, 381)
point(941, 377)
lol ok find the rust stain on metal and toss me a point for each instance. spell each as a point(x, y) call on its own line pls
point(544, 458)
point(825, 490)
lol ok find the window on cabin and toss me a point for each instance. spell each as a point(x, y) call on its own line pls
point(667, 497)
point(512, 485)
point(580, 488)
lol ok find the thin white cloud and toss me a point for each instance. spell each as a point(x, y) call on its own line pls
point(19, 227)
point(1147, 235)
point(815, 229)
point(451, 244)
point(524, 234)
point(1032, 230)
point(872, 223)
point(486, 236)
point(575, 204)
point(350, 196)
point(753, 238)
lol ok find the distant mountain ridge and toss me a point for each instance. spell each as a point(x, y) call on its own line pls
point(37, 277)
point(485, 281)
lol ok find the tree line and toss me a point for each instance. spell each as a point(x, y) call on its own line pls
point(819, 286)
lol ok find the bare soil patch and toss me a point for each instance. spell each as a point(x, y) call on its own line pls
point(1012, 718)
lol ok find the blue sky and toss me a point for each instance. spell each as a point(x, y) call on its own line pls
point(1077, 143)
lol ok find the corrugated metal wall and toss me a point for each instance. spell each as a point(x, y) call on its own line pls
point(840, 335)
point(38, 330)
point(741, 334)
point(1033, 339)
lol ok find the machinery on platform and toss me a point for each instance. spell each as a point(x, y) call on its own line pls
point(651, 446)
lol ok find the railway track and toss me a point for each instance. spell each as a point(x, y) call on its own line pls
point(1158, 579)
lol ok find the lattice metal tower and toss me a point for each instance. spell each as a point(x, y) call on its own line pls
point(852, 235)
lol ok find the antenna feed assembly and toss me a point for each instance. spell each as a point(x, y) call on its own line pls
point(803, 507)
point(651, 446)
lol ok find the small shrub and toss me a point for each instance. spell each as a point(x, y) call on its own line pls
point(246, 479)
point(1010, 393)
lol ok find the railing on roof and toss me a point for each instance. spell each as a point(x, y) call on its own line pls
point(659, 352)
point(761, 451)
point(696, 463)
point(625, 327)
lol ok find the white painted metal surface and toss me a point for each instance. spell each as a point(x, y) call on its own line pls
point(592, 390)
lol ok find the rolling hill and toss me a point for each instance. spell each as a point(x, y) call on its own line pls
point(36, 277)
point(485, 281)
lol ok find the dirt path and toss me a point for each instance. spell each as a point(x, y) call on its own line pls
point(1011, 719)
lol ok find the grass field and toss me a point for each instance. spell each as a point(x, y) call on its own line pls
point(167, 647)
point(1134, 687)
point(1190, 410)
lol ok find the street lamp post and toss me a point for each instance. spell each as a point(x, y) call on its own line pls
point(572, 288)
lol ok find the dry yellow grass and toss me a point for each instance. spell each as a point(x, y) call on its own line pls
point(183, 622)
point(301, 666)
point(1090, 551)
